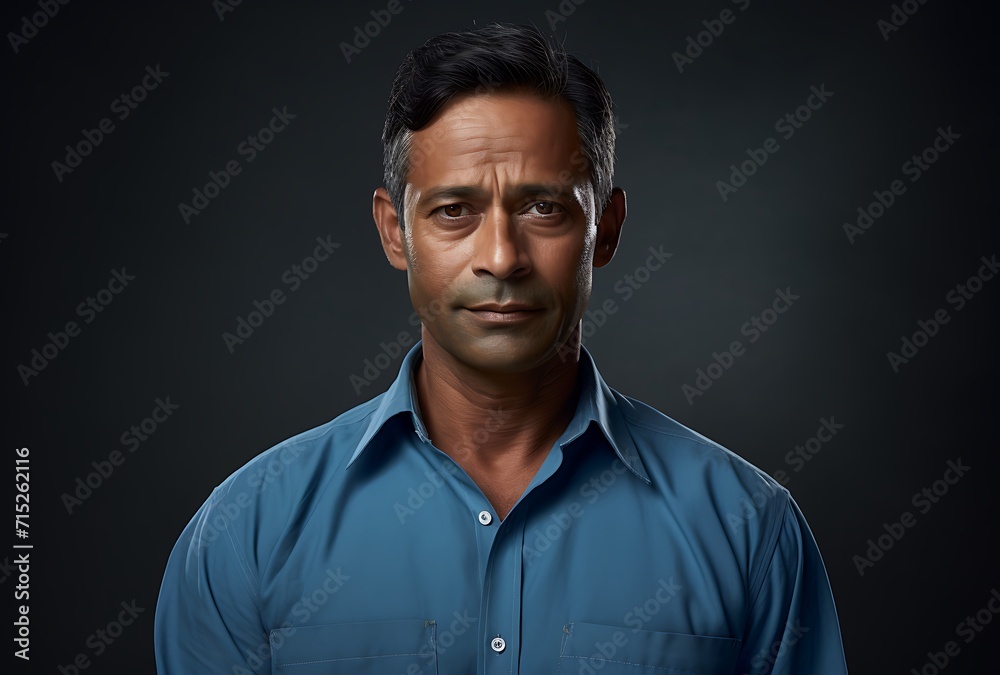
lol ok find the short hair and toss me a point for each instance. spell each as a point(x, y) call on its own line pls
point(497, 57)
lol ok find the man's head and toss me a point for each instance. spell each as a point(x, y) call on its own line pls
point(499, 151)
point(494, 58)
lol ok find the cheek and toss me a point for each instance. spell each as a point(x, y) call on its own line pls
point(571, 265)
point(431, 283)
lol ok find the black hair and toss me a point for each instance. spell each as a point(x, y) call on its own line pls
point(496, 57)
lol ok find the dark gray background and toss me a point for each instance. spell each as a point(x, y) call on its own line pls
point(679, 132)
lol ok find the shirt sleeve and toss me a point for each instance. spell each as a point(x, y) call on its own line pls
point(792, 626)
point(207, 620)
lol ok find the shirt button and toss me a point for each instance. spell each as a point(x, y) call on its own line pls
point(498, 644)
point(486, 518)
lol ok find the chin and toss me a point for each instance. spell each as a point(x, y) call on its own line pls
point(502, 353)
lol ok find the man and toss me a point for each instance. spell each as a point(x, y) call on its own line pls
point(499, 509)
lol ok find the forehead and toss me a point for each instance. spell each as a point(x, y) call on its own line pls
point(475, 137)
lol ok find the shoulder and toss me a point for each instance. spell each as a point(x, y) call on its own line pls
point(251, 509)
point(255, 503)
point(302, 458)
point(687, 463)
point(711, 493)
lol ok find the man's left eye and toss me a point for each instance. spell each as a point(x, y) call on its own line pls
point(546, 208)
point(453, 210)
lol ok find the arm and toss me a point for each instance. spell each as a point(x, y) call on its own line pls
point(207, 619)
point(792, 628)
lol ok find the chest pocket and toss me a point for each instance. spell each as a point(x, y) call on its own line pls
point(614, 650)
point(383, 647)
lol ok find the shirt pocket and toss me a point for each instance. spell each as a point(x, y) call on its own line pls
point(383, 647)
point(616, 650)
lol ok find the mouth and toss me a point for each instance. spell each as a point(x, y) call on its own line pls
point(510, 312)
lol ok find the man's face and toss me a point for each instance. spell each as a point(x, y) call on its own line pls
point(500, 230)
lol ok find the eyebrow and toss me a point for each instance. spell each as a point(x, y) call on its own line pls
point(460, 192)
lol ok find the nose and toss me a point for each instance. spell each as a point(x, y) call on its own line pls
point(500, 246)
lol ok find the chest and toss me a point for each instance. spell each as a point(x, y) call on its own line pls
point(406, 578)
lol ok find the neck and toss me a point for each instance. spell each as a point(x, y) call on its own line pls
point(502, 422)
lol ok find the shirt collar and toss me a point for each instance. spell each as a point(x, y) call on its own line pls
point(597, 404)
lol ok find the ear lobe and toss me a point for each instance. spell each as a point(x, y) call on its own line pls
point(387, 222)
point(609, 228)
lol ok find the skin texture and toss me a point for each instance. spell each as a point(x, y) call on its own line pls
point(496, 394)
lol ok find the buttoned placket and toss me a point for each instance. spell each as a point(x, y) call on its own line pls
point(501, 545)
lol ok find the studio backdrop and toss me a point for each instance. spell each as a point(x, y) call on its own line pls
point(807, 275)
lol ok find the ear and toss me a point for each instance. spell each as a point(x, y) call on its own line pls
point(609, 228)
point(387, 222)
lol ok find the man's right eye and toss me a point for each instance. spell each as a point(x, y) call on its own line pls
point(452, 210)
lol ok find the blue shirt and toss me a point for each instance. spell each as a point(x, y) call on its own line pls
point(640, 546)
